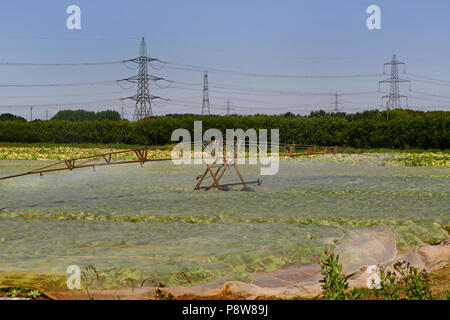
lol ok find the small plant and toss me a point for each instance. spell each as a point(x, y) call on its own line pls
point(33, 294)
point(416, 284)
point(335, 283)
point(14, 292)
point(89, 276)
point(404, 282)
point(389, 289)
point(184, 276)
point(24, 293)
point(134, 282)
point(162, 295)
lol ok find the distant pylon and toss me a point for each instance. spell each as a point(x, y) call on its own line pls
point(206, 106)
point(228, 107)
point(336, 102)
point(394, 97)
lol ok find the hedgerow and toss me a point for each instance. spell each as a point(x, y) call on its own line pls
point(404, 130)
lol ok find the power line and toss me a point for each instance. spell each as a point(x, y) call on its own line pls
point(430, 107)
point(428, 78)
point(431, 82)
point(259, 102)
point(432, 94)
point(182, 102)
point(195, 68)
point(61, 104)
point(25, 64)
point(265, 91)
point(63, 95)
point(91, 83)
point(252, 54)
point(143, 98)
point(430, 99)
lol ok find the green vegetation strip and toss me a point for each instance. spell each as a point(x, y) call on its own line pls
point(52, 151)
point(405, 129)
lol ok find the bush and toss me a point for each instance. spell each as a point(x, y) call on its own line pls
point(334, 282)
point(404, 282)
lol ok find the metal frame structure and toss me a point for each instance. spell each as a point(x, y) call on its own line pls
point(206, 109)
point(216, 171)
point(394, 97)
point(141, 155)
point(219, 173)
point(143, 98)
point(105, 159)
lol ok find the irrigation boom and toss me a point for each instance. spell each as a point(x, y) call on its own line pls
point(141, 155)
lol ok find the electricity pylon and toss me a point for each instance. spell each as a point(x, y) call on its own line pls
point(228, 107)
point(394, 97)
point(143, 97)
point(206, 106)
point(336, 102)
point(143, 100)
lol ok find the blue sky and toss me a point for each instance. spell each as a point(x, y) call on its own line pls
point(327, 37)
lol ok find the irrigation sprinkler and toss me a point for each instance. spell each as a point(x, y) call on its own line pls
point(141, 156)
point(214, 171)
point(94, 161)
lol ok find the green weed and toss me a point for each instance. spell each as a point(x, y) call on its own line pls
point(335, 283)
point(22, 293)
point(404, 282)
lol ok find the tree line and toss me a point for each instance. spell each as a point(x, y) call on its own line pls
point(369, 129)
point(71, 115)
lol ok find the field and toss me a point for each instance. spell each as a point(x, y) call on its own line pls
point(134, 223)
point(51, 151)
